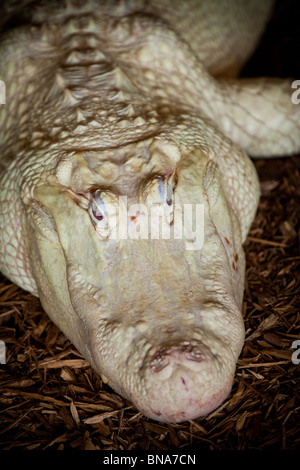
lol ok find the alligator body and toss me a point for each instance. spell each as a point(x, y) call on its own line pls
point(134, 105)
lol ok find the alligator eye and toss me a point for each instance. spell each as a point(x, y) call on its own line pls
point(165, 191)
point(167, 196)
point(97, 214)
point(102, 211)
point(159, 191)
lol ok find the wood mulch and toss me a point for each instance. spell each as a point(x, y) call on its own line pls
point(50, 398)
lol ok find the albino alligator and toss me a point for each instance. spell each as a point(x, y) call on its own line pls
point(132, 99)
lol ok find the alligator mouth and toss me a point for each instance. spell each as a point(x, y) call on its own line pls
point(186, 406)
point(183, 381)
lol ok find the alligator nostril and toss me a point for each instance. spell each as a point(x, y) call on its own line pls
point(195, 355)
point(192, 353)
point(175, 355)
point(158, 360)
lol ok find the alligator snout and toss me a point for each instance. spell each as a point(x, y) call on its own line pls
point(183, 382)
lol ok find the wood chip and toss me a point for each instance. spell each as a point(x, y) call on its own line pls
point(99, 418)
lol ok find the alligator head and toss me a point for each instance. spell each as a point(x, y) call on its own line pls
point(156, 311)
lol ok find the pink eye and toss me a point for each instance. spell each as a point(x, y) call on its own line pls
point(165, 191)
point(97, 213)
point(97, 208)
point(102, 212)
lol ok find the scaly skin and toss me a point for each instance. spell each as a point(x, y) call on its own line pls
point(137, 100)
